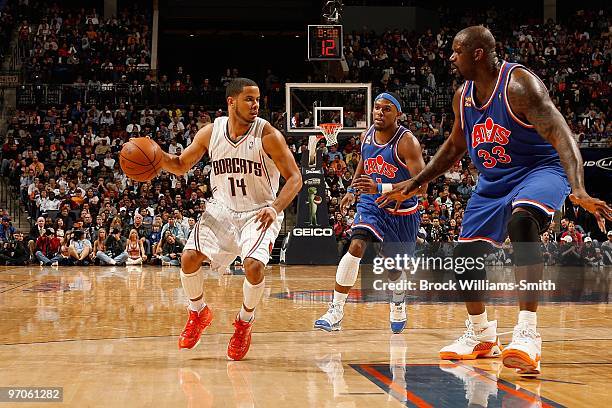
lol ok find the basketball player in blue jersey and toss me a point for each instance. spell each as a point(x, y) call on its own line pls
point(389, 154)
point(528, 161)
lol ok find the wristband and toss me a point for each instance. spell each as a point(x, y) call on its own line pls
point(351, 190)
point(384, 187)
point(273, 209)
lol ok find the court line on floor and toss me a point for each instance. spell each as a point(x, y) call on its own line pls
point(383, 381)
point(18, 286)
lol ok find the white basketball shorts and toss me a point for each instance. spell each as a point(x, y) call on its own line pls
point(223, 234)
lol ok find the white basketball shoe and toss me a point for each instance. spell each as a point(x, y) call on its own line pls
point(474, 344)
point(524, 352)
point(332, 319)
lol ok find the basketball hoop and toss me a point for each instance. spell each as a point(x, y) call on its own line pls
point(330, 132)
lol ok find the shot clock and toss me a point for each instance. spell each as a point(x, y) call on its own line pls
point(324, 42)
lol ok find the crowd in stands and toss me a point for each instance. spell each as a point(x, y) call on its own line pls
point(572, 57)
point(62, 160)
point(64, 45)
point(84, 209)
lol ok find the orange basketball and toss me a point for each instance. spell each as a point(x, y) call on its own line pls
point(140, 159)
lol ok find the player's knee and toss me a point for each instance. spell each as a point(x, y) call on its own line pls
point(254, 270)
point(191, 261)
point(523, 228)
point(358, 247)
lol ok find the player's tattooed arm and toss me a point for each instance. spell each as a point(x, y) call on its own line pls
point(528, 98)
point(180, 165)
point(275, 146)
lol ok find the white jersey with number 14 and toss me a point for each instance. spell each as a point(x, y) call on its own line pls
point(243, 176)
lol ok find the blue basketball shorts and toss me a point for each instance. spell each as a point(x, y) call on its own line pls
point(486, 218)
point(397, 232)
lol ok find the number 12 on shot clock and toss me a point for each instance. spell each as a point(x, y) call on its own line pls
point(324, 42)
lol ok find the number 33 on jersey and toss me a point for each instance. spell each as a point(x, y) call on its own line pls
point(503, 147)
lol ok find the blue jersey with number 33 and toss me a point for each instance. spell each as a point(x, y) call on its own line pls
point(504, 148)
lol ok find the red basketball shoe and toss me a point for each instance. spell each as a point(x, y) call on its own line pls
point(241, 340)
point(190, 337)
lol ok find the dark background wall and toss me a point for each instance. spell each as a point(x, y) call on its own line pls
point(382, 18)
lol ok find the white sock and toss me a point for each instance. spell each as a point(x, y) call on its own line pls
point(339, 298)
point(531, 318)
point(192, 285)
point(251, 297)
point(479, 321)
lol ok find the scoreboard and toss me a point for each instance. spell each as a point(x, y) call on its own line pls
point(324, 42)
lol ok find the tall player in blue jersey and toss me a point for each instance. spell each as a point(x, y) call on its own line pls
point(389, 153)
point(528, 161)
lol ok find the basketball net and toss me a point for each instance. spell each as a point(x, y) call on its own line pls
point(329, 132)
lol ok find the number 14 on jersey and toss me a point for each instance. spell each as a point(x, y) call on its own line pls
point(237, 183)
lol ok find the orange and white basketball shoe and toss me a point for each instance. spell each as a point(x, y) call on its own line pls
point(190, 336)
point(241, 340)
point(524, 353)
point(474, 344)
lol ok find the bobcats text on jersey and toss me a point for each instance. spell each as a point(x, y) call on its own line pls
point(236, 165)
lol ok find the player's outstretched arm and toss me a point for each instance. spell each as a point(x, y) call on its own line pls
point(528, 98)
point(275, 146)
point(180, 165)
point(449, 153)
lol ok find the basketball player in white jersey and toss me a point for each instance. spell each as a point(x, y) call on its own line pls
point(248, 156)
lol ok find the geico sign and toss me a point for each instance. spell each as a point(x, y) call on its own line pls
point(313, 232)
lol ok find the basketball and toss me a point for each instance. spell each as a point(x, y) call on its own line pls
point(140, 159)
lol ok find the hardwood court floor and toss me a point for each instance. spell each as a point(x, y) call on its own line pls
point(108, 336)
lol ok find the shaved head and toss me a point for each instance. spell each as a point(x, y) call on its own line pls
point(474, 52)
point(475, 37)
